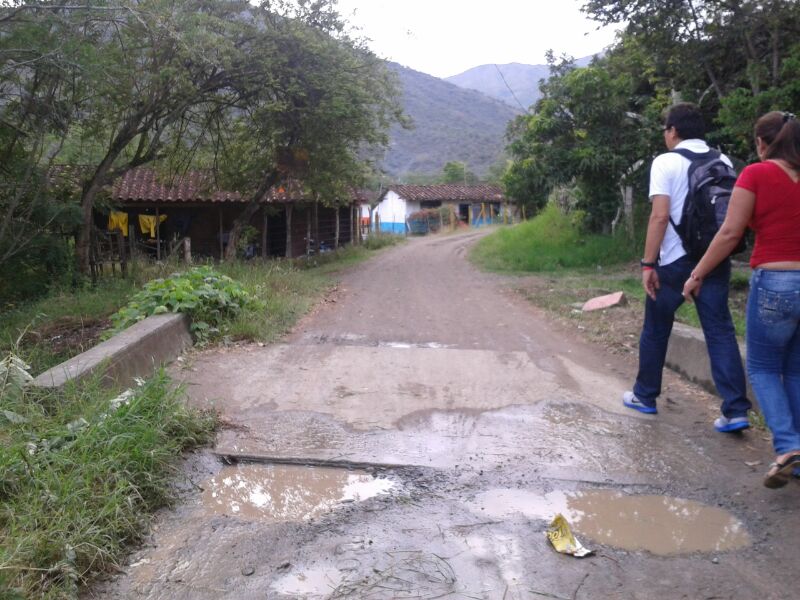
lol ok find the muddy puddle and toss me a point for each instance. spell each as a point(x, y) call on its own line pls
point(658, 524)
point(274, 493)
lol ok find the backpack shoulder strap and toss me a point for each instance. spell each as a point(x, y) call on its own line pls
point(693, 156)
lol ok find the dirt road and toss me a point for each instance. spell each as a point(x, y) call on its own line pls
point(414, 437)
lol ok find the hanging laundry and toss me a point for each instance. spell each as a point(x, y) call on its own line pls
point(147, 223)
point(118, 221)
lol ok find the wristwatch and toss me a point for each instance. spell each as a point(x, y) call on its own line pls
point(644, 263)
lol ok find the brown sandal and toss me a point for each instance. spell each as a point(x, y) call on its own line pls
point(780, 472)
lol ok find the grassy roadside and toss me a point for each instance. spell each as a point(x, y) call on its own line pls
point(570, 268)
point(79, 474)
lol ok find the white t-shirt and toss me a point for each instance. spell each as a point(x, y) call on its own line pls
point(669, 176)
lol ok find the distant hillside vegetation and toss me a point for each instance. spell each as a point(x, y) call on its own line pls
point(522, 79)
point(450, 124)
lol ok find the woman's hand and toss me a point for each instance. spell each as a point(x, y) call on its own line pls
point(691, 288)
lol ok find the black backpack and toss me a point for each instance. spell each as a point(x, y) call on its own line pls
point(711, 183)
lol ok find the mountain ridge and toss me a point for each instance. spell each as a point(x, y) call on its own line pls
point(450, 123)
point(516, 84)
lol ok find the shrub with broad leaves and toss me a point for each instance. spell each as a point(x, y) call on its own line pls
point(207, 297)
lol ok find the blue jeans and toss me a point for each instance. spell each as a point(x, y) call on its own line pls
point(715, 318)
point(773, 352)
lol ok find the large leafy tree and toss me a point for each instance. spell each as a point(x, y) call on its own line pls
point(706, 49)
point(268, 92)
point(162, 67)
point(313, 103)
point(41, 48)
point(585, 130)
point(595, 126)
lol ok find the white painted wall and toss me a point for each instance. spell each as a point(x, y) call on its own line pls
point(392, 209)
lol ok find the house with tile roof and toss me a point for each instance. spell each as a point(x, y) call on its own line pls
point(474, 205)
point(156, 211)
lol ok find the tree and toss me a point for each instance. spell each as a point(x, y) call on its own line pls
point(314, 102)
point(39, 62)
point(457, 172)
point(163, 70)
point(584, 130)
point(734, 43)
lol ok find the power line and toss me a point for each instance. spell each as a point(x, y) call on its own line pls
point(509, 88)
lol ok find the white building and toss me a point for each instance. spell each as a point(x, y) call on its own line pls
point(475, 205)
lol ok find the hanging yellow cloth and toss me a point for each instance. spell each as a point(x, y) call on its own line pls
point(147, 223)
point(118, 220)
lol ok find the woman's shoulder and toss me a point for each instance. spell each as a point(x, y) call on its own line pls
point(754, 172)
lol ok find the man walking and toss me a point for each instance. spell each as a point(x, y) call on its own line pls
point(665, 268)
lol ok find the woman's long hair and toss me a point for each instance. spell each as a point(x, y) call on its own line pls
point(781, 132)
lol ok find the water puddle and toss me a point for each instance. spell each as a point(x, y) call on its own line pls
point(317, 582)
point(657, 524)
point(273, 493)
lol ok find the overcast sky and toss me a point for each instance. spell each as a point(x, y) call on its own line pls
point(447, 37)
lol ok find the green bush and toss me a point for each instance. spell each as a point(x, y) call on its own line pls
point(210, 300)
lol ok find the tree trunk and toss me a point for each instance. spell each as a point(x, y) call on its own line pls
point(244, 217)
point(90, 190)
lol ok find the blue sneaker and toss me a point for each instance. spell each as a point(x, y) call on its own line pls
point(630, 400)
point(726, 425)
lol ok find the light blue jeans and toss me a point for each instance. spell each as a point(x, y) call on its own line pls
point(773, 352)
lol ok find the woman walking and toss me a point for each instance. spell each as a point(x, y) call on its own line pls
point(767, 198)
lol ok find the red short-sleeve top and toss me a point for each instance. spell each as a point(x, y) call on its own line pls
point(776, 215)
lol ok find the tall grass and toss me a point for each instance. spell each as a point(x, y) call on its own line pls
point(552, 241)
point(287, 291)
point(78, 478)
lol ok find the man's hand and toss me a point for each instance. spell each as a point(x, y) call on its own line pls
point(650, 282)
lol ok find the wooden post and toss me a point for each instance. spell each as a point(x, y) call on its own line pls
point(628, 209)
point(123, 263)
point(288, 231)
point(317, 241)
point(158, 236)
point(355, 230)
point(131, 240)
point(221, 243)
point(308, 231)
point(187, 250)
point(336, 235)
point(264, 233)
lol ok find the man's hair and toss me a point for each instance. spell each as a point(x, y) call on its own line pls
point(687, 120)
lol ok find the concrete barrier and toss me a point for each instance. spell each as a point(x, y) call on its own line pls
point(687, 354)
point(134, 352)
